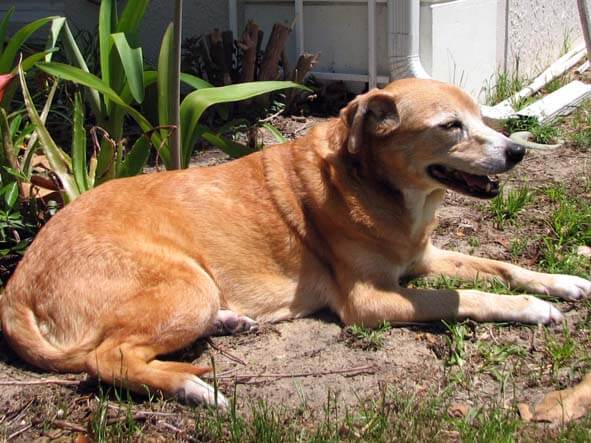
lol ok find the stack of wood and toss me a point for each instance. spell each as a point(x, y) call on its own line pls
point(221, 60)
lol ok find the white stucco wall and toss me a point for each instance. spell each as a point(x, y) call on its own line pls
point(536, 31)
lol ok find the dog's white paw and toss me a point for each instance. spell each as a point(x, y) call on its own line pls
point(195, 391)
point(569, 287)
point(538, 311)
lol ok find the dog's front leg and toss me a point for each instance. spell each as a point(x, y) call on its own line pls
point(454, 264)
point(368, 306)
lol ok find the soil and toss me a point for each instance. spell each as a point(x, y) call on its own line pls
point(313, 358)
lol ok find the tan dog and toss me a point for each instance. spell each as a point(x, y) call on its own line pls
point(143, 266)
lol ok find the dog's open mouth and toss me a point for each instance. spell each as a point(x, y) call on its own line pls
point(479, 186)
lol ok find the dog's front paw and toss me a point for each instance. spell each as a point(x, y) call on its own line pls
point(539, 312)
point(569, 287)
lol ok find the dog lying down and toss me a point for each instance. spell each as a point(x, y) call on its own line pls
point(143, 266)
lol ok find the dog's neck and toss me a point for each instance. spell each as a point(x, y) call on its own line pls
point(422, 206)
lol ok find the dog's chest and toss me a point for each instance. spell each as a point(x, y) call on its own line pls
point(421, 207)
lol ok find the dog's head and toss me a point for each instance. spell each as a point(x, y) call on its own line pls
point(426, 134)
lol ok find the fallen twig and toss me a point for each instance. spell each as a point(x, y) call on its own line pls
point(226, 353)
point(41, 381)
point(143, 413)
point(69, 426)
point(170, 427)
point(19, 432)
point(245, 378)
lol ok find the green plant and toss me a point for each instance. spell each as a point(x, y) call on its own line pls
point(367, 338)
point(517, 247)
point(457, 333)
point(507, 205)
point(579, 131)
point(541, 133)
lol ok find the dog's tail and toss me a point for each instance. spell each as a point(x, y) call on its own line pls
point(21, 329)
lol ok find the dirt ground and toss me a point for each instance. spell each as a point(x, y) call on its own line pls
point(306, 361)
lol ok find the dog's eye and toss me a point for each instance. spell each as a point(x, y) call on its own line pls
point(453, 124)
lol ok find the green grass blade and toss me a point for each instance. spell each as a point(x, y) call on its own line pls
point(132, 61)
point(136, 159)
point(132, 16)
point(51, 150)
point(17, 40)
point(79, 145)
point(196, 103)
point(4, 27)
point(76, 75)
point(11, 194)
point(76, 58)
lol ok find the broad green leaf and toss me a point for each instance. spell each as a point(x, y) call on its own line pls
point(51, 150)
point(133, 65)
point(150, 77)
point(132, 16)
point(76, 75)
point(196, 103)
point(275, 132)
point(79, 145)
point(76, 58)
point(10, 194)
point(16, 41)
point(4, 27)
point(54, 32)
point(136, 158)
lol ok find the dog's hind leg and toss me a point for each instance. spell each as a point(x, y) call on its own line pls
point(158, 321)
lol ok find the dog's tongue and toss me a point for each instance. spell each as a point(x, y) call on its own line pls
point(475, 181)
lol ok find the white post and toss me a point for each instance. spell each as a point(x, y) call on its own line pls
point(299, 26)
point(371, 44)
point(584, 14)
point(233, 17)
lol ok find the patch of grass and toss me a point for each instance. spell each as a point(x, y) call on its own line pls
point(507, 205)
point(542, 133)
point(506, 85)
point(559, 351)
point(357, 336)
point(518, 246)
point(578, 127)
point(570, 225)
point(457, 335)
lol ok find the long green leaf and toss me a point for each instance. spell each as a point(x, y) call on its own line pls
point(195, 82)
point(230, 147)
point(132, 16)
point(51, 150)
point(76, 75)
point(150, 77)
point(105, 26)
point(196, 103)
point(17, 40)
point(30, 61)
point(79, 145)
point(136, 158)
point(132, 61)
point(54, 32)
point(275, 132)
point(76, 58)
point(4, 27)
point(164, 73)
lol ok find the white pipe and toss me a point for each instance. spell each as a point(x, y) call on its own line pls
point(233, 17)
point(299, 26)
point(371, 44)
point(403, 39)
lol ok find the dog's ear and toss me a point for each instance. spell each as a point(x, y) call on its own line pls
point(372, 114)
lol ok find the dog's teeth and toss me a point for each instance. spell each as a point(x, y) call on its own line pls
point(488, 187)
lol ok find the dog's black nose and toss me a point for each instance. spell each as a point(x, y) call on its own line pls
point(514, 153)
